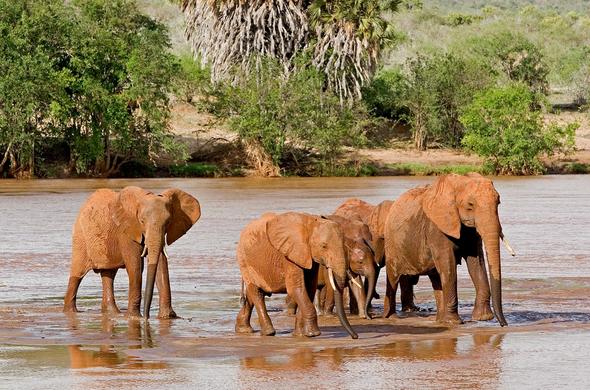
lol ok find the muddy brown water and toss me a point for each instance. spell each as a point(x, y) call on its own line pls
point(546, 299)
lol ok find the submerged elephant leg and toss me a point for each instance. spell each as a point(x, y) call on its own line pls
point(291, 305)
point(108, 295)
point(134, 300)
point(306, 320)
point(72, 291)
point(407, 283)
point(479, 276)
point(256, 296)
point(163, 284)
point(243, 318)
point(447, 313)
point(390, 291)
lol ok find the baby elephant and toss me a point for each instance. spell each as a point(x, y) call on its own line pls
point(281, 253)
point(117, 230)
point(361, 260)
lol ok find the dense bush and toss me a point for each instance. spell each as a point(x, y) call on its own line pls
point(501, 127)
point(384, 96)
point(439, 87)
point(94, 73)
point(269, 110)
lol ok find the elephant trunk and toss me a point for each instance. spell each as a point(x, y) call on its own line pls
point(491, 240)
point(339, 303)
point(371, 278)
point(155, 245)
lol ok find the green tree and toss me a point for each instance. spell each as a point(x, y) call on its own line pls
point(501, 126)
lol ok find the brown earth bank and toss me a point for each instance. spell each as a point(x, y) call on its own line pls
point(209, 141)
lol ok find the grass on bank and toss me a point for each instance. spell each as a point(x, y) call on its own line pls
point(419, 169)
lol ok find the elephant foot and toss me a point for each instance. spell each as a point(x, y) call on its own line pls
point(412, 308)
point(376, 295)
point(449, 319)
point(167, 314)
point(71, 309)
point(388, 311)
point(268, 331)
point(310, 328)
point(291, 311)
point(114, 310)
point(244, 328)
point(133, 314)
point(482, 313)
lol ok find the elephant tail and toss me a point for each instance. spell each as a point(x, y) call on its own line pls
point(242, 293)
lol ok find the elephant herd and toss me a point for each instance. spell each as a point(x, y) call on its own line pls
point(428, 230)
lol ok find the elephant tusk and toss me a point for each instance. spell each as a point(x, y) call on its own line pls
point(165, 245)
point(508, 247)
point(144, 252)
point(353, 279)
point(331, 277)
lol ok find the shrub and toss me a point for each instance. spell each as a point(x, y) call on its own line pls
point(384, 96)
point(501, 127)
point(439, 87)
point(268, 110)
point(193, 81)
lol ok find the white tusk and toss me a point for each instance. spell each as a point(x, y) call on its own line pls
point(144, 246)
point(353, 280)
point(331, 277)
point(165, 245)
point(508, 247)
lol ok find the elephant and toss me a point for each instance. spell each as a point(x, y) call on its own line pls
point(117, 230)
point(281, 253)
point(361, 258)
point(430, 229)
point(374, 217)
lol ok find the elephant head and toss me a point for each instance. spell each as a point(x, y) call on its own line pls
point(471, 200)
point(361, 255)
point(154, 221)
point(304, 238)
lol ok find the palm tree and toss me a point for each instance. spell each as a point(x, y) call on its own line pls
point(345, 38)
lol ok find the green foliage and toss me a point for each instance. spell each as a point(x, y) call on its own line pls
point(455, 19)
point(194, 169)
point(384, 96)
point(273, 110)
point(192, 81)
point(511, 137)
point(518, 58)
point(95, 73)
point(439, 87)
point(418, 169)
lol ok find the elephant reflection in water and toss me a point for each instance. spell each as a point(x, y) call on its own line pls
point(107, 355)
point(404, 350)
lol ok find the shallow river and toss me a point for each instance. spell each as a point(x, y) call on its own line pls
point(546, 299)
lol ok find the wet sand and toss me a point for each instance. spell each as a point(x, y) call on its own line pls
point(546, 290)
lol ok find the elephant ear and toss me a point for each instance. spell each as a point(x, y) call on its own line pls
point(185, 210)
point(378, 217)
point(125, 211)
point(440, 206)
point(288, 233)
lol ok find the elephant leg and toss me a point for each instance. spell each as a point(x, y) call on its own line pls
point(390, 291)
point(108, 294)
point(366, 287)
point(79, 269)
point(291, 305)
point(134, 300)
point(306, 320)
point(163, 284)
point(407, 283)
point(479, 276)
point(437, 287)
point(243, 319)
point(256, 296)
point(72, 291)
point(447, 271)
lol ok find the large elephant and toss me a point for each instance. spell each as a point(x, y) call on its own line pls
point(429, 229)
point(361, 259)
point(281, 253)
point(374, 217)
point(117, 230)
